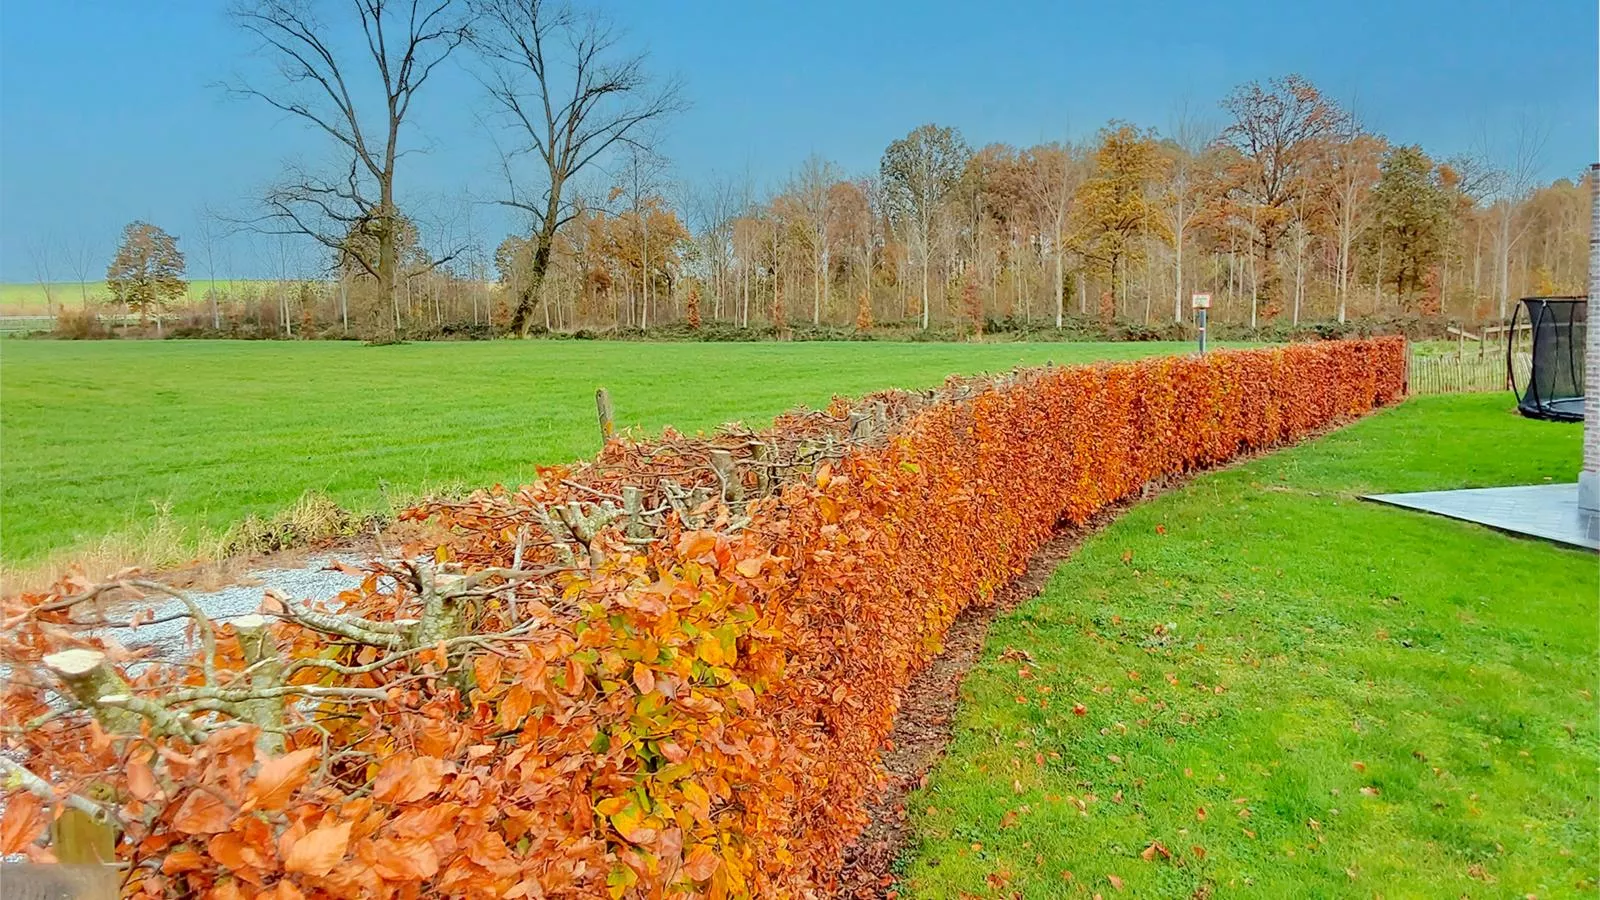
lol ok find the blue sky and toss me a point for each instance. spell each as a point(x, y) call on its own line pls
point(109, 111)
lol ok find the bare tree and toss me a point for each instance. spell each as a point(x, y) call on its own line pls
point(570, 96)
point(208, 242)
point(81, 257)
point(919, 171)
point(713, 208)
point(1192, 138)
point(405, 41)
point(1511, 180)
point(1054, 172)
point(39, 250)
point(1281, 132)
point(810, 188)
point(1352, 171)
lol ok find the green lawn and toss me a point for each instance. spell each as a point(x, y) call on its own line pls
point(94, 435)
point(1292, 692)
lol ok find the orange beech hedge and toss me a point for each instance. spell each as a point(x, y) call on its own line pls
point(683, 695)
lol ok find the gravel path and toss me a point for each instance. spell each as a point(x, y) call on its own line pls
point(311, 580)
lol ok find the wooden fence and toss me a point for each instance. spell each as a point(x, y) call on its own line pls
point(1463, 372)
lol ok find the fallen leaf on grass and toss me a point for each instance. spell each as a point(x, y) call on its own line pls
point(1115, 882)
point(1155, 849)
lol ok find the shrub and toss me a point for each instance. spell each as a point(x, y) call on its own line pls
point(81, 325)
point(679, 690)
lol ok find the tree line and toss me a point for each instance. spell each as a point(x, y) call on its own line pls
point(1280, 203)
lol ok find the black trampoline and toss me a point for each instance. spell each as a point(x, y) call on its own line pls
point(1549, 333)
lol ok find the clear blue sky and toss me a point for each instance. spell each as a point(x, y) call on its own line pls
point(109, 110)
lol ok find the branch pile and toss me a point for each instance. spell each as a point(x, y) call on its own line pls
point(666, 672)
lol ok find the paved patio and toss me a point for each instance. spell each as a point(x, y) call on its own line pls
point(1548, 511)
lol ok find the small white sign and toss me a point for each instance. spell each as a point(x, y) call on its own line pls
point(1200, 301)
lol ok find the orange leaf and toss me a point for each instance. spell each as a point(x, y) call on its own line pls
point(284, 890)
point(412, 861)
point(21, 823)
point(279, 778)
point(320, 850)
point(701, 864)
point(231, 850)
point(643, 678)
point(1115, 881)
point(179, 861)
point(696, 543)
point(141, 781)
point(201, 813)
point(407, 779)
point(514, 707)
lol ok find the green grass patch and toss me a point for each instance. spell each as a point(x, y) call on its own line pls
point(1292, 692)
point(107, 437)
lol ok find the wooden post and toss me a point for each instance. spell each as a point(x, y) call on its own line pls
point(602, 403)
point(722, 464)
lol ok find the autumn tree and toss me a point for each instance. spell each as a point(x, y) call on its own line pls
point(1280, 132)
point(1412, 209)
point(1114, 208)
point(570, 95)
point(864, 311)
point(146, 273)
point(919, 171)
point(972, 304)
point(326, 86)
point(691, 312)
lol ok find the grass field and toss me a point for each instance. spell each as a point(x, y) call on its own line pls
point(1288, 692)
point(97, 437)
point(35, 299)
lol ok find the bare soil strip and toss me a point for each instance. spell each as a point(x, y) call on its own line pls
point(922, 728)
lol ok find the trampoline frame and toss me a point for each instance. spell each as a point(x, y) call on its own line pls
point(1529, 403)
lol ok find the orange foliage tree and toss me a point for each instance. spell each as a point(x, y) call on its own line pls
point(864, 311)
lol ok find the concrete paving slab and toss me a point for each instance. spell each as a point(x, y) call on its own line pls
point(1548, 511)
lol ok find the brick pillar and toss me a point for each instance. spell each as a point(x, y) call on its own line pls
point(1589, 479)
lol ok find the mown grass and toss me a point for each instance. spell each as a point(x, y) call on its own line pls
point(180, 440)
point(1292, 692)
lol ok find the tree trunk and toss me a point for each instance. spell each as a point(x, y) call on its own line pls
point(926, 259)
point(1061, 288)
point(1177, 270)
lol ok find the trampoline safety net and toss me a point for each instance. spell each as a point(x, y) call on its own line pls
point(1550, 330)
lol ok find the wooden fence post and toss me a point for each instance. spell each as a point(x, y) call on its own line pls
point(602, 403)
